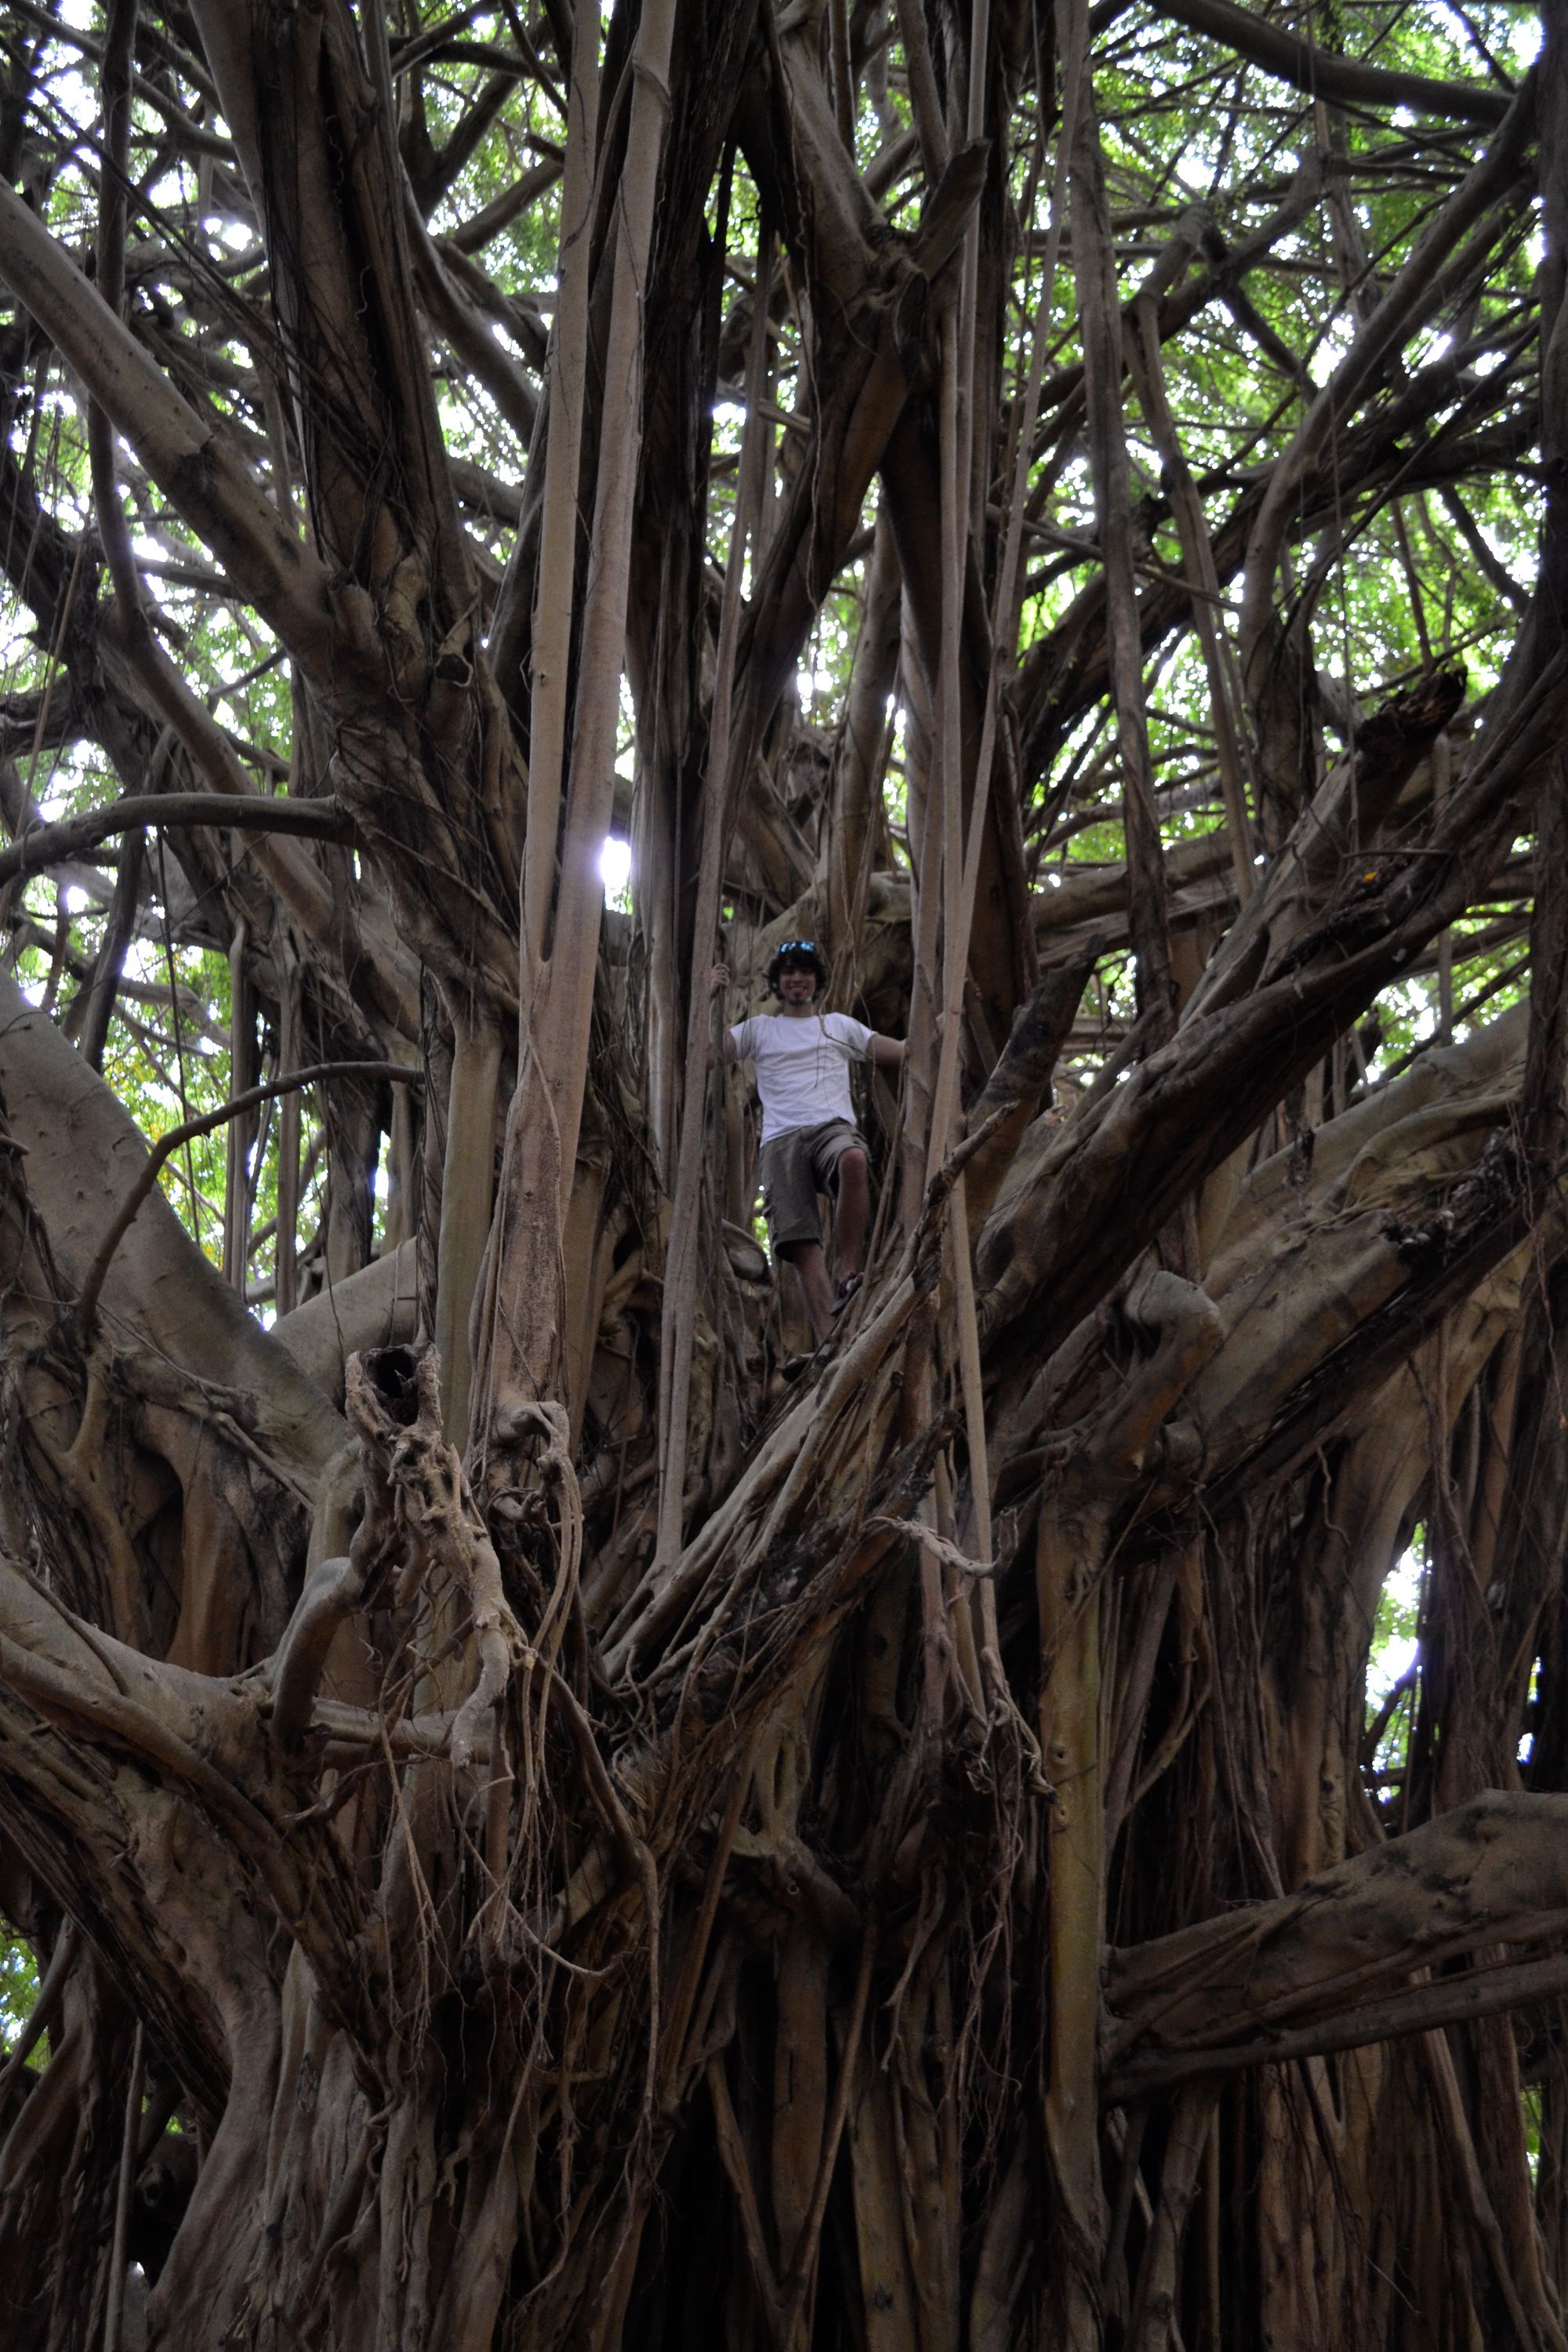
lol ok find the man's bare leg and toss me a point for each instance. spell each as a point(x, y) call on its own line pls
point(852, 1214)
point(811, 1273)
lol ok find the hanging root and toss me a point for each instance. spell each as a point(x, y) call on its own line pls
point(394, 1401)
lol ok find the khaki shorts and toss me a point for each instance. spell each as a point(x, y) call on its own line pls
point(794, 1167)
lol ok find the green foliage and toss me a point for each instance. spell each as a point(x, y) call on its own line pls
point(18, 1991)
point(1393, 1665)
point(1530, 2108)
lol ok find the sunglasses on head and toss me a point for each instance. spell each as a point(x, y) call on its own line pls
point(787, 947)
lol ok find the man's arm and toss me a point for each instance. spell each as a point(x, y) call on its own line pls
point(888, 1051)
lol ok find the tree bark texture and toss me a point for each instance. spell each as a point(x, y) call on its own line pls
point(536, 1810)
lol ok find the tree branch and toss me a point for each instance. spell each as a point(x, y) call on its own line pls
point(1322, 73)
point(54, 845)
point(394, 1073)
point(186, 455)
point(1450, 2000)
point(1493, 1871)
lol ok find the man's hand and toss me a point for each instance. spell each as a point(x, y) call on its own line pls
point(718, 981)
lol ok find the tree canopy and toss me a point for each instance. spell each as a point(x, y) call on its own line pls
point(540, 1808)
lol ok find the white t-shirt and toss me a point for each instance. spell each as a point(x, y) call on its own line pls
point(801, 1065)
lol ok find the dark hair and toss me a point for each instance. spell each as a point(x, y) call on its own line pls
point(796, 955)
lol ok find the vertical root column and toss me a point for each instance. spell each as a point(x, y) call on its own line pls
point(1066, 1562)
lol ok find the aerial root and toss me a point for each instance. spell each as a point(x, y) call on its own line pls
point(392, 1400)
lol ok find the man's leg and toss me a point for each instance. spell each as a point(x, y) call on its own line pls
point(811, 1273)
point(852, 1214)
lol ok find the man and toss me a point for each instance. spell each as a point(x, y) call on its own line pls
point(810, 1141)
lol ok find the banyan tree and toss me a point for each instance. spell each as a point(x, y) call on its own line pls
point(522, 1826)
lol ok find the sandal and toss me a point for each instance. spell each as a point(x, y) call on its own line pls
point(848, 1285)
